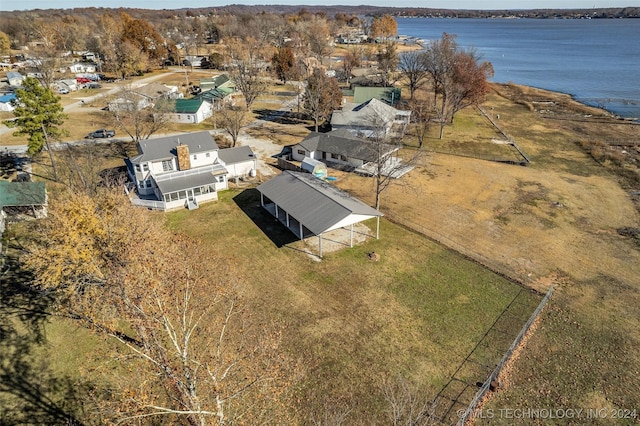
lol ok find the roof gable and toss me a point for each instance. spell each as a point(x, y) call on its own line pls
point(163, 148)
point(364, 113)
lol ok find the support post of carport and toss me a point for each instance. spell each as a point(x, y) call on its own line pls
point(378, 228)
point(320, 245)
point(262, 199)
point(351, 237)
point(301, 234)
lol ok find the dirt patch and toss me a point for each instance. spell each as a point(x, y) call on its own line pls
point(335, 240)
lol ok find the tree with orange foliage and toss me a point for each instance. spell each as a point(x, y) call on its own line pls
point(172, 312)
point(143, 36)
point(385, 27)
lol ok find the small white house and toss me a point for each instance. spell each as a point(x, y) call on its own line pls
point(82, 67)
point(14, 78)
point(192, 111)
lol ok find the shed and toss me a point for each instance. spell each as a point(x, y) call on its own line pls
point(309, 206)
point(315, 167)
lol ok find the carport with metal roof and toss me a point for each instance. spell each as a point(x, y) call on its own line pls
point(310, 206)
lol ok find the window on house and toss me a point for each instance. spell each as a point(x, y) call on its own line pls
point(221, 179)
point(335, 156)
point(302, 152)
point(138, 169)
point(145, 167)
point(167, 165)
point(195, 156)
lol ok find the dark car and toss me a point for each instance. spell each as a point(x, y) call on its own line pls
point(102, 133)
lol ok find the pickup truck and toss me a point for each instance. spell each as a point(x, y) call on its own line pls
point(102, 133)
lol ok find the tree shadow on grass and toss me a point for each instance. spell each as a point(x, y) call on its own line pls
point(249, 202)
point(30, 391)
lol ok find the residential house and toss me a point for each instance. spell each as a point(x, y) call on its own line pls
point(14, 78)
point(83, 67)
point(194, 110)
point(388, 95)
point(309, 206)
point(177, 171)
point(6, 103)
point(218, 97)
point(68, 83)
point(372, 118)
point(142, 97)
point(27, 199)
point(219, 81)
point(341, 149)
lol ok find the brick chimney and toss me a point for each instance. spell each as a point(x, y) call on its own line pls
point(184, 162)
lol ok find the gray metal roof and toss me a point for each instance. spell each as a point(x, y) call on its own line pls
point(364, 114)
point(343, 142)
point(236, 155)
point(316, 204)
point(193, 178)
point(163, 148)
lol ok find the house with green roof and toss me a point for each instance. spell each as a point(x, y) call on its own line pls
point(217, 82)
point(194, 110)
point(24, 198)
point(388, 95)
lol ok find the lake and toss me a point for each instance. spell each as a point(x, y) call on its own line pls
point(597, 61)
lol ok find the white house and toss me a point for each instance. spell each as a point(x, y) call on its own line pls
point(82, 67)
point(14, 78)
point(177, 171)
point(371, 118)
point(194, 111)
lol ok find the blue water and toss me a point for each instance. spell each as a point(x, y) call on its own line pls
point(597, 61)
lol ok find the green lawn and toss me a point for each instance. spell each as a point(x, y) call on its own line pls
point(418, 312)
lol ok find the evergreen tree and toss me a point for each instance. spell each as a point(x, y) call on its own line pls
point(38, 114)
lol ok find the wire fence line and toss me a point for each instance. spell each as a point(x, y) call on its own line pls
point(468, 253)
point(468, 413)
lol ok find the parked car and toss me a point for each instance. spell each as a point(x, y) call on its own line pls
point(101, 133)
point(63, 90)
point(93, 85)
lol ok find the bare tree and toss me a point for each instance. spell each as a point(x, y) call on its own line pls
point(422, 113)
point(387, 167)
point(407, 405)
point(130, 112)
point(245, 68)
point(413, 67)
point(177, 321)
point(387, 58)
point(232, 119)
point(440, 59)
point(322, 96)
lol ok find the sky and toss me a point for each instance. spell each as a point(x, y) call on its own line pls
point(434, 4)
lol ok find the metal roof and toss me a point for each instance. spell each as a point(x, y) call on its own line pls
point(22, 194)
point(187, 106)
point(193, 178)
point(236, 155)
point(316, 204)
point(364, 114)
point(163, 148)
point(343, 142)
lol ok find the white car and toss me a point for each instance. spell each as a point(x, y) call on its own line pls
point(63, 90)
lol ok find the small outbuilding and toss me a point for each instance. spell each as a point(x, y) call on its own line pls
point(315, 167)
point(309, 206)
